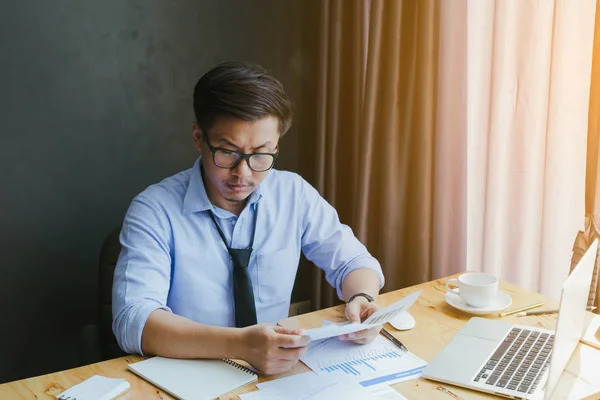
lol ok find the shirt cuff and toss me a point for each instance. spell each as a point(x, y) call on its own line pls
point(133, 326)
point(367, 262)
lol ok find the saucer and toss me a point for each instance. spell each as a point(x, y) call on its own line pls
point(501, 301)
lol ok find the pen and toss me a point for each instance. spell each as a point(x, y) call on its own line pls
point(540, 312)
point(517, 310)
point(393, 339)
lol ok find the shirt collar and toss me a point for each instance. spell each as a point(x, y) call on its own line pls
point(196, 198)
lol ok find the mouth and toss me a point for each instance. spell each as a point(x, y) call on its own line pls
point(238, 188)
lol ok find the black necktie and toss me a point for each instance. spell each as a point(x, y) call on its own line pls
point(243, 295)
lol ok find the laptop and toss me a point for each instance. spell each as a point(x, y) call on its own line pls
point(518, 361)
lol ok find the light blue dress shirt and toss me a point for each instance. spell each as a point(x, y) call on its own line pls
point(173, 258)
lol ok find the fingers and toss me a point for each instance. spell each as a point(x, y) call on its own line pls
point(290, 338)
point(352, 336)
point(288, 331)
point(353, 311)
point(274, 350)
point(363, 341)
point(367, 310)
point(362, 337)
point(282, 359)
point(291, 354)
point(278, 367)
point(358, 311)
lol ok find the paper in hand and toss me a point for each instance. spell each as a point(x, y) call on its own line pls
point(378, 318)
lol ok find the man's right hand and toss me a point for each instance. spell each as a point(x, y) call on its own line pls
point(273, 349)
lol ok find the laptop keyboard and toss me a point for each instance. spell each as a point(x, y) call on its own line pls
point(520, 361)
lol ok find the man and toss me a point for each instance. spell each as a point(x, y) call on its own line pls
point(209, 255)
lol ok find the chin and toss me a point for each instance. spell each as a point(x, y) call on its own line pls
point(236, 197)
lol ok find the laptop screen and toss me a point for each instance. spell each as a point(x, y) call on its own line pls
point(571, 316)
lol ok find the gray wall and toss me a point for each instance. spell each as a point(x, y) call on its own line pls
point(95, 104)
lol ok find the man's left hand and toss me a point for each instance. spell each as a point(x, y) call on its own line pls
point(357, 311)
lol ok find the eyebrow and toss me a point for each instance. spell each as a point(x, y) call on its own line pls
point(227, 142)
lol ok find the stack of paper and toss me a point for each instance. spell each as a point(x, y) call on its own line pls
point(310, 386)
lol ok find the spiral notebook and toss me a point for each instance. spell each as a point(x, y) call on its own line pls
point(194, 379)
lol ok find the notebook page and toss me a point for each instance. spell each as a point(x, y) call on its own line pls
point(192, 379)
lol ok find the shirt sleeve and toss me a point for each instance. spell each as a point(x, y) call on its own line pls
point(329, 244)
point(143, 272)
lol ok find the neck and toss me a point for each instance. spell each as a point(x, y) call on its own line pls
point(234, 207)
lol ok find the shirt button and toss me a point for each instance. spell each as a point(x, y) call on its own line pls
point(232, 222)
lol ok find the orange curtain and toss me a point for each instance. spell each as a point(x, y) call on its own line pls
point(340, 81)
point(592, 185)
point(396, 191)
point(379, 160)
point(411, 198)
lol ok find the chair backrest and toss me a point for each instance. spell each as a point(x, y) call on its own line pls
point(109, 254)
point(583, 240)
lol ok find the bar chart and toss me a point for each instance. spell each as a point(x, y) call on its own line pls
point(375, 363)
point(365, 366)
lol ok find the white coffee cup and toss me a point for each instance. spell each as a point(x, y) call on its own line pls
point(478, 289)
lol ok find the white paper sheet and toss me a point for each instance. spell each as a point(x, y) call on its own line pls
point(309, 386)
point(280, 385)
point(298, 384)
point(379, 318)
point(386, 393)
point(96, 387)
point(377, 363)
point(325, 332)
point(293, 381)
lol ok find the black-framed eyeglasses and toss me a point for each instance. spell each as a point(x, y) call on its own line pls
point(226, 158)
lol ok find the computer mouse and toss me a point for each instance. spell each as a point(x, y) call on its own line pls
point(403, 321)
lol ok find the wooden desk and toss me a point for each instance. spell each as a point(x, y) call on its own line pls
point(437, 323)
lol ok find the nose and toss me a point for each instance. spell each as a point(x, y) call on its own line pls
point(242, 170)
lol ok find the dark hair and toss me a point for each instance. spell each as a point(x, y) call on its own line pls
point(243, 91)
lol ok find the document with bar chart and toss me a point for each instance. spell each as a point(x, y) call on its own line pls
point(379, 362)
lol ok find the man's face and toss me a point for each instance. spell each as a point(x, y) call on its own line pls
point(229, 188)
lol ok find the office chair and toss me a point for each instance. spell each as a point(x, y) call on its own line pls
point(97, 340)
point(583, 240)
point(109, 255)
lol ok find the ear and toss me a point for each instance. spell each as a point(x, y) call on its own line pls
point(197, 136)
